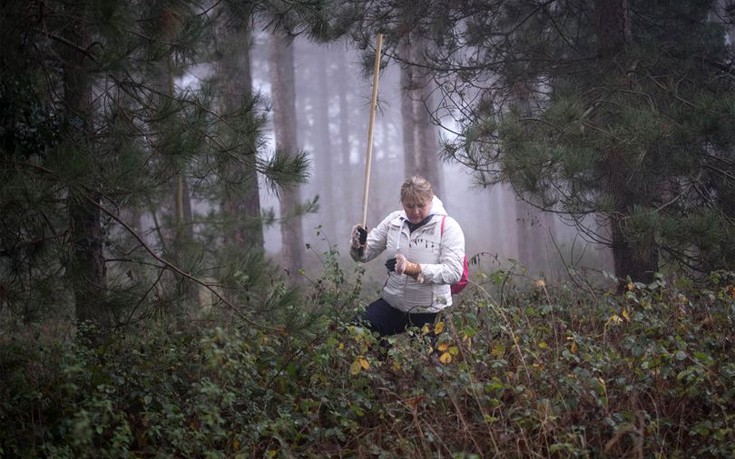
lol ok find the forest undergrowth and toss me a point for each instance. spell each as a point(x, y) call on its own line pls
point(515, 369)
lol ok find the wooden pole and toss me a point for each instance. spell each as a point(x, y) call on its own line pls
point(371, 126)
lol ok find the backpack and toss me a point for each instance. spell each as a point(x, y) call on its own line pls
point(464, 279)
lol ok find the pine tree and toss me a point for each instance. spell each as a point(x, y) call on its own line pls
point(103, 149)
point(632, 127)
point(239, 164)
point(285, 24)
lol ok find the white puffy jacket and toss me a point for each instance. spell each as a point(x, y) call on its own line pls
point(440, 254)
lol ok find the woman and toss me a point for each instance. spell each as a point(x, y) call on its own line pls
point(426, 254)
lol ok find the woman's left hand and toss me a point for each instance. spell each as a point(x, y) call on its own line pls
point(403, 266)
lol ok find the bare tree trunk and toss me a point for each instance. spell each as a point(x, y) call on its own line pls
point(324, 160)
point(284, 127)
point(344, 178)
point(419, 134)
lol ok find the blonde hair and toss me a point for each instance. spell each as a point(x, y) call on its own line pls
point(416, 190)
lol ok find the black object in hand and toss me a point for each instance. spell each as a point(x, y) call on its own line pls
point(363, 234)
point(391, 264)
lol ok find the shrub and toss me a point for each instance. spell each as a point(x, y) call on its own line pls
point(528, 370)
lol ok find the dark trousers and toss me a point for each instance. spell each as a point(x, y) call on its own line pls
point(387, 320)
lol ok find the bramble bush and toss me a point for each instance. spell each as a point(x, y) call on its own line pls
point(512, 370)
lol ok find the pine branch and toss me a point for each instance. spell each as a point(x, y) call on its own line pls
point(165, 262)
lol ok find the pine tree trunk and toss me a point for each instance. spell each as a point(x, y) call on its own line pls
point(323, 155)
point(284, 127)
point(419, 134)
point(343, 180)
point(635, 257)
point(244, 205)
point(86, 268)
point(182, 204)
point(533, 227)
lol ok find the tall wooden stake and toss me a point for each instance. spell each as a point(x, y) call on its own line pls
point(371, 126)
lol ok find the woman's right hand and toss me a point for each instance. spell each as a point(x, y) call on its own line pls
point(358, 238)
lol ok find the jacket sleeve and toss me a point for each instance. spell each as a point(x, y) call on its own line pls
point(448, 269)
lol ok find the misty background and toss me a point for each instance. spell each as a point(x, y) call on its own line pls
point(333, 92)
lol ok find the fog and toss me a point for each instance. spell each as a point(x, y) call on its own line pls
point(331, 84)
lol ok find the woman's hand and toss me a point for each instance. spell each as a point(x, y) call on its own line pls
point(358, 238)
point(403, 266)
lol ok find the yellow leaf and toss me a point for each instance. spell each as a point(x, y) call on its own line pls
point(625, 315)
point(364, 363)
point(439, 327)
point(543, 345)
point(442, 347)
point(425, 330)
point(573, 347)
point(445, 358)
point(497, 351)
point(355, 368)
point(341, 346)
